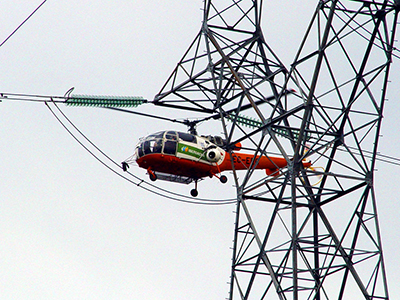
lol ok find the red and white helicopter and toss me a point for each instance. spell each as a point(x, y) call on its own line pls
point(185, 157)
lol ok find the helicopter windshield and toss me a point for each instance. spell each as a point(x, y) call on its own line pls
point(161, 142)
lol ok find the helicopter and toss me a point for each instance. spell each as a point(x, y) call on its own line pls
point(186, 157)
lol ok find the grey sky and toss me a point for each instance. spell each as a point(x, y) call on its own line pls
point(71, 229)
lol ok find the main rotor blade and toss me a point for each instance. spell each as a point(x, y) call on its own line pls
point(148, 115)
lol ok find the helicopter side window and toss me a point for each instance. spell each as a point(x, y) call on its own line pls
point(170, 147)
point(187, 137)
point(159, 134)
point(218, 141)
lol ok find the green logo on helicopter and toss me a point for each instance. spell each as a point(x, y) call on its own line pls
point(190, 150)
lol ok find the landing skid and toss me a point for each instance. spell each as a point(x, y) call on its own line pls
point(169, 177)
point(181, 179)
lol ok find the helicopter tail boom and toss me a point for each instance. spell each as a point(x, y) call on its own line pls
point(242, 161)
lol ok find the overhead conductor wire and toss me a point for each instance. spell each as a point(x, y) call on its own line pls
point(198, 201)
point(20, 25)
point(61, 99)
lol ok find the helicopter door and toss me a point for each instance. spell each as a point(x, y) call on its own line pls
point(170, 147)
point(170, 143)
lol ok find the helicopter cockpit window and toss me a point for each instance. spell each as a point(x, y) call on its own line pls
point(171, 135)
point(156, 146)
point(159, 135)
point(140, 150)
point(145, 147)
point(150, 146)
point(187, 137)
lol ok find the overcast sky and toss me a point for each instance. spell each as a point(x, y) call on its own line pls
point(70, 228)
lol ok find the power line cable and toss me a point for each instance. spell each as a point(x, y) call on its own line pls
point(61, 99)
point(20, 25)
point(198, 201)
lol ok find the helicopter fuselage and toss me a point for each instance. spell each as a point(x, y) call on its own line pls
point(195, 157)
point(179, 154)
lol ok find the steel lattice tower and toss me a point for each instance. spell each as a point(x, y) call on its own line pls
point(301, 233)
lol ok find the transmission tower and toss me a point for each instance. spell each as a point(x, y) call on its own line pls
point(300, 233)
